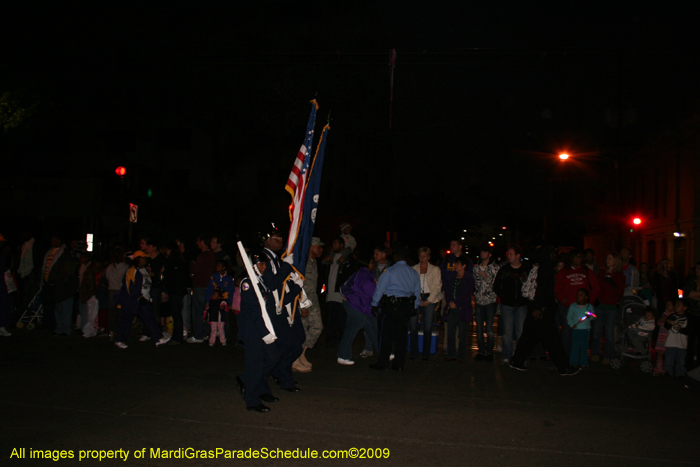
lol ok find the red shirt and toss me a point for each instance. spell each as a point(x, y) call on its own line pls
point(609, 294)
point(569, 281)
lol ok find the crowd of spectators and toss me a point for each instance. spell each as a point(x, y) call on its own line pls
point(567, 305)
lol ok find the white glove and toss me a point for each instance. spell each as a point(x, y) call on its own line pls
point(289, 258)
point(296, 278)
point(269, 339)
point(305, 302)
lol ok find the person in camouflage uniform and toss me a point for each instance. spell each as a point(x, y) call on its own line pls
point(311, 317)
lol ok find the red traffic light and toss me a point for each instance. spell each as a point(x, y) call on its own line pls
point(636, 221)
point(121, 171)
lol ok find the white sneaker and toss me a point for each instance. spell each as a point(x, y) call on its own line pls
point(121, 345)
point(144, 338)
point(4, 332)
point(343, 361)
point(223, 344)
point(192, 340)
point(211, 345)
point(163, 340)
point(391, 357)
point(366, 353)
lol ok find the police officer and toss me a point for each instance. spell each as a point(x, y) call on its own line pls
point(261, 354)
point(397, 295)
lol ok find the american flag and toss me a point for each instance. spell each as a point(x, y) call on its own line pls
point(308, 220)
point(296, 183)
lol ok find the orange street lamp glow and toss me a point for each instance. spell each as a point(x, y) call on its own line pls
point(563, 156)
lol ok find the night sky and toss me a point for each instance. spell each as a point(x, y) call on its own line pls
point(206, 105)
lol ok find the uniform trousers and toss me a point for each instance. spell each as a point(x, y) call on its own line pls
point(393, 337)
point(260, 358)
point(313, 324)
point(289, 347)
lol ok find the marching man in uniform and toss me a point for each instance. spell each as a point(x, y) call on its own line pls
point(285, 320)
point(258, 336)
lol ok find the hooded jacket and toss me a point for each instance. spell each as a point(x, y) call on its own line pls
point(359, 289)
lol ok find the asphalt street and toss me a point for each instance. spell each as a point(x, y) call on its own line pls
point(73, 394)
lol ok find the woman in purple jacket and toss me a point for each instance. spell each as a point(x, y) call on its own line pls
point(459, 311)
point(358, 291)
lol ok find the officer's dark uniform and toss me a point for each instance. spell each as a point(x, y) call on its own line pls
point(290, 339)
point(260, 358)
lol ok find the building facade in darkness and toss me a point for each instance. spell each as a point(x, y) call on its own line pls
point(660, 185)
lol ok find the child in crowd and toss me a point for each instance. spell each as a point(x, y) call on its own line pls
point(677, 339)
point(579, 318)
point(214, 313)
point(134, 299)
point(661, 338)
point(223, 281)
point(639, 333)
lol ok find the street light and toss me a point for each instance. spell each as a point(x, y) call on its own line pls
point(563, 156)
point(636, 222)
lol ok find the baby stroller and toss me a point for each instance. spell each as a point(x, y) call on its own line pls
point(33, 314)
point(632, 309)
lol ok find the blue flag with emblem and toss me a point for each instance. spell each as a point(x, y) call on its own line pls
point(308, 218)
